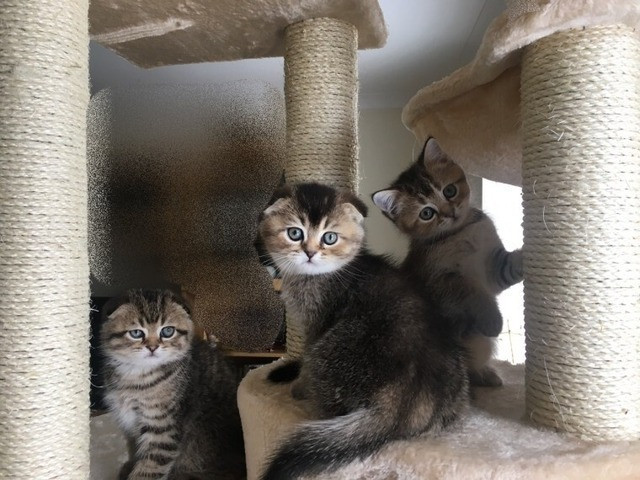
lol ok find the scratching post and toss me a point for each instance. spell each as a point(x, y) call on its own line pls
point(321, 93)
point(44, 278)
point(581, 191)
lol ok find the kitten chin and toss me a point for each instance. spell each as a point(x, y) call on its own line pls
point(142, 362)
point(303, 265)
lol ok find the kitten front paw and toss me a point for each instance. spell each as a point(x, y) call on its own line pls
point(516, 262)
point(487, 317)
point(485, 377)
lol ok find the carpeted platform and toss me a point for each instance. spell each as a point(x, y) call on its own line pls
point(475, 112)
point(151, 33)
point(492, 442)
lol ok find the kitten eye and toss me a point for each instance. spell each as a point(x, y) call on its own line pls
point(136, 334)
point(427, 213)
point(329, 238)
point(295, 233)
point(167, 332)
point(450, 191)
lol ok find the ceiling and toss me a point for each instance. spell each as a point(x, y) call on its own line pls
point(428, 39)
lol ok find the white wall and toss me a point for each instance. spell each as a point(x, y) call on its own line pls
point(503, 203)
point(385, 150)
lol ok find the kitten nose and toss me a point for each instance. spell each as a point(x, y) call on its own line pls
point(152, 348)
point(448, 213)
point(310, 253)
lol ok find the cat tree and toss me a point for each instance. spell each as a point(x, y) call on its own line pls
point(552, 101)
point(43, 195)
point(44, 275)
point(579, 139)
point(555, 89)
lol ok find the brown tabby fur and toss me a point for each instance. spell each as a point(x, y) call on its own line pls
point(375, 366)
point(174, 397)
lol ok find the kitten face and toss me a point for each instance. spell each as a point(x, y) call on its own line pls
point(312, 229)
point(149, 329)
point(429, 198)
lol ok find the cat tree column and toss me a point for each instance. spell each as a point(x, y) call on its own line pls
point(44, 277)
point(321, 93)
point(552, 100)
point(581, 192)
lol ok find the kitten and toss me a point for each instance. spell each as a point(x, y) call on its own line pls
point(373, 369)
point(170, 391)
point(455, 255)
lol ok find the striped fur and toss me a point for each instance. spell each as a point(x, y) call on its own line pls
point(172, 395)
point(375, 367)
point(455, 256)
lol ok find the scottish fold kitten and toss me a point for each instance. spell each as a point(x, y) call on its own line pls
point(170, 391)
point(455, 255)
point(375, 366)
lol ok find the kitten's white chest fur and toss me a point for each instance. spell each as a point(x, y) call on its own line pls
point(126, 401)
point(125, 409)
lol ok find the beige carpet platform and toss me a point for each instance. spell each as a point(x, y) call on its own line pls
point(475, 112)
point(151, 33)
point(492, 442)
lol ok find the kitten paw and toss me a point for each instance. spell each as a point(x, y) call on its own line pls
point(518, 269)
point(485, 377)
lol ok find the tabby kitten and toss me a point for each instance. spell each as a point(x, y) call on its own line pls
point(170, 391)
point(373, 369)
point(455, 255)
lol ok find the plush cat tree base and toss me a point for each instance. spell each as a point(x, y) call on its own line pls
point(491, 442)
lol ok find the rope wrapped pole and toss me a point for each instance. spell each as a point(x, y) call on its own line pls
point(44, 277)
point(321, 93)
point(581, 191)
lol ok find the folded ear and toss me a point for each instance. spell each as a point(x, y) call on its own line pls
point(387, 201)
point(431, 152)
point(278, 198)
point(114, 307)
point(359, 209)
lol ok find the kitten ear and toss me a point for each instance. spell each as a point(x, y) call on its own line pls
point(387, 201)
point(114, 307)
point(431, 152)
point(277, 199)
point(360, 210)
point(283, 191)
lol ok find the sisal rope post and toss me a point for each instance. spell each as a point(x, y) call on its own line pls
point(44, 277)
point(581, 192)
point(321, 94)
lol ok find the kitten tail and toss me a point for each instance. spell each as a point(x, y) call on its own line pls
point(325, 445)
